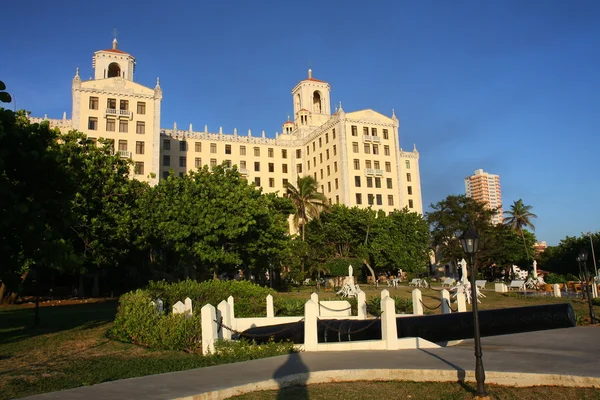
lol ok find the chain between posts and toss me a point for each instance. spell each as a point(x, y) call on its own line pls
point(220, 325)
point(429, 308)
point(331, 309)
point(340, 332)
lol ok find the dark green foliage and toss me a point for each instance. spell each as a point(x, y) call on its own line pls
point(403, 306)
point(339, 266)
point(562, 258)
point(285, 307)
point(554, 278)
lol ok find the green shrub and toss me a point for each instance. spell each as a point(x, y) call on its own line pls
point(596, 301)
point(288, 307)
point(403, 306)
point(339, 266)
point(554, 278)
point(242, 350)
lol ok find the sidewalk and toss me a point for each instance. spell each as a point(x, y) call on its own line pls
point(568, 352)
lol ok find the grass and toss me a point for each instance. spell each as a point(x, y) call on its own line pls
point(420, 391)
point(70, 348)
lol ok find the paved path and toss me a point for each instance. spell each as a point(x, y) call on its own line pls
point(573, 351)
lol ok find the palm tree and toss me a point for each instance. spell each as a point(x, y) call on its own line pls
point(308, 201)
point(520, 217)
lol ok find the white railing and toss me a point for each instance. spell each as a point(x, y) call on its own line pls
point(124, 153)
point(373, 171)
point(119, 113)
point(367, 138)
point(376, 139)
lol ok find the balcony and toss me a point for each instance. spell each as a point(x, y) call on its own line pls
point(367, 138)
point(124, 153)
point(113, 112)
point(373, 171)
point(374, 139)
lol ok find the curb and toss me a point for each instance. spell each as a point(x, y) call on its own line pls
point(517, 379)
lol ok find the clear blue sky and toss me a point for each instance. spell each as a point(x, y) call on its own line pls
point(512, 87)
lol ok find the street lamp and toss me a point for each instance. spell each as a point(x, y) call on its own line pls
point(470, 242)
point(582, 258)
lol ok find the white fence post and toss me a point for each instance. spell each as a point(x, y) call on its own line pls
point(315, 297)
point(311, 314)
point(594, 290)
point(445, 299)
point(556, 290)
point(270, 309)
point(461, 302)
point(362, 305)
point(209, 328)
point(231, 303)
point(160, 305)
point(188, 307)
point(417, 305)
point(389, 331)
point(385, 293)
point(224, 312)
point(178, 308)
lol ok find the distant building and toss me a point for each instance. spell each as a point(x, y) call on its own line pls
point(539, 248)
point(485, 188)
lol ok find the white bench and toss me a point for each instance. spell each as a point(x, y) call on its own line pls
point(415, 282)
point(447, 282)
point(517, 284)
point(480, 284)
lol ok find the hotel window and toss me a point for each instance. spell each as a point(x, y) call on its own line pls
point(369, 182)
point(355, 147)
point(378, 183)
point(298, 153)
point(321, 158)
point(257, 166)
point(315, 175)
point(228, 163)
point(368, 164)
point(358, 198)
point(388, 182)
point(365, 131)
point(375, 149)
point(354, 130)
point(271, 167)
point(333, 133)
point(386, 150)
point(357, 181)
point(328, 187)
point(166, 161)
point(242, 150)
point(337, 199)
point(321, 173)
point(356, 164)
point(271, 182)
point(257, 181)
point(140, 127)
point(227, 149)
point(93, 123)
point(307, 150)
point(388, 167)
point(336, 183)
point(124, 104)
point(322, 189)
point(94, 140)
point(327, 138)
point(308, 162)
point(198, 162)
point(407, 164)
point(335, 166)
point(327, 154)
point(183, 146)
point(198, 147)
point(242, 164)
point(379, 199)
point(166, 144)
point(111, 103)
point(315, 161)
point(320, 143)
point(284, 168)
point(122, 145)
point(257, 152)
point(270, 152)
point(390, 200)
point(385, 135)
point(182, 162)
point(110, 125)
point(93, 103)
point(408, 177)
point(374, 131)
point(165, 174)
point(285, 182)
point(299, 168)
point(334, 150)
point(139, 147)
point(283, 153)
point(367, 148)
point(213, 148)
point(314, 147)
point(213, 162)
point(139, 168)
point(409, 189)
point(123, 126)
point(410, 203)
point(328, 170)
point(141, 107)
point(376, 164)
point(370, 199)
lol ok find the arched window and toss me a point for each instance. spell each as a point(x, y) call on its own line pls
point(317, 106)
point(114, 70)
point(298, 103)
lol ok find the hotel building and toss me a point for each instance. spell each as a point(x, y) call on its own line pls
point(485, 188)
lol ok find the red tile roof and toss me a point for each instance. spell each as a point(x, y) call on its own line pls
point(315, 80)
point(116, 51)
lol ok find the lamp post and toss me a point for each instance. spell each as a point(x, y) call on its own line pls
point(470, 242)
point(583, 256)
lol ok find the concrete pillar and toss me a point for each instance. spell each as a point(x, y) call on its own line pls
point(311, 314)
point(270, 309)
point(231, 303)
point(224, 311)
point(389, 332)
point(556, 290)
point(461, 302)
point(385, 293)
point(416, 299)
point(315, 297)
point(445, 299)
point(208, 316)
point(362, 305)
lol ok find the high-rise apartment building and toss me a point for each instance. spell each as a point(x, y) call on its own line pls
point(355, 156)
point(485, 188)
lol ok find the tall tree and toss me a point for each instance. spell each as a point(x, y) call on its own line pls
point(309, 202)
point(519, 217)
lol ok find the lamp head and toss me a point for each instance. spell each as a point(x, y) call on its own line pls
point(469, 241)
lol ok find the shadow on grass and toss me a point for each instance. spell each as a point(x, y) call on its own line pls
point(460, 373)
point(292, 377)
point(18, 324)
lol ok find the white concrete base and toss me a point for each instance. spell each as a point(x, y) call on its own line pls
point(500, 287)
point(518, 379)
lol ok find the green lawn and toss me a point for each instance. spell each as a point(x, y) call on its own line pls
point(71, 349)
